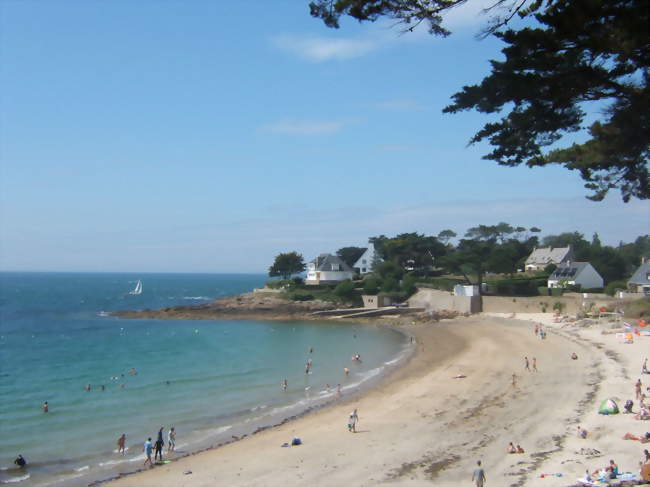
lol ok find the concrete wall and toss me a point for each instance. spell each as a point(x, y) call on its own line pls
point(434, 300)
point(535, 304)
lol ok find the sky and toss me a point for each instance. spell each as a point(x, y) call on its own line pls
point(209, 136)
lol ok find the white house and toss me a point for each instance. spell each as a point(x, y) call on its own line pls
point(574, 274)
point(640, 280)
point(540, 258)
point(364, 264)
point(327, 269)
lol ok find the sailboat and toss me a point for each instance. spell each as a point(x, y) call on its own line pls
point(138, 288)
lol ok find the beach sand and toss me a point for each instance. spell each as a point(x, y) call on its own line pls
point(424, 426)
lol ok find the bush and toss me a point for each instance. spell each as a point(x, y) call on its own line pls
point(518, 287)
point(371, 287)
point(408, 285)
point(345, 290)
point(613, 286)
point(277, 283)
point(301, 297)
point(389, 285)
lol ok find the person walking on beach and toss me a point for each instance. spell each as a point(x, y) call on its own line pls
point(352, 422)
point(171, 439)
point(159, 445)
point(534, 364)
point(121, 441)
point(514, 380)
point(148, 447)
point(527, 364)
point(479, 475)
point(637, 387)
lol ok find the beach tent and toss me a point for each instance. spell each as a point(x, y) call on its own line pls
point(608, 406)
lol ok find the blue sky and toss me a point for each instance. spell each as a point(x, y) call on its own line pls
point(209, 136)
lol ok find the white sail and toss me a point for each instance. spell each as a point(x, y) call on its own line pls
point(138, 288)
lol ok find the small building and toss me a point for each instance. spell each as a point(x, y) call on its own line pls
point(327, 269)
point(372, 301)
point(365, 263)
point(640, 280)
point(580, 274)
point(540, 258)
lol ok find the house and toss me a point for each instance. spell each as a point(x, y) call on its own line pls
point(640, 280)
point(540, 258)
point(580, 274)
point(328, 269)
point(365, 263)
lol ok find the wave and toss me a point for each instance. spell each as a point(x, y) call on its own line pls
point(15, 479)
point(81, 469)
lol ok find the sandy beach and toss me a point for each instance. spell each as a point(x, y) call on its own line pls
point(454, 403)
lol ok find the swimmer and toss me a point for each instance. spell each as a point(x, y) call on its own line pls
point(46, 407)
point(87, 387)
point(346, 370)
point(285, 384)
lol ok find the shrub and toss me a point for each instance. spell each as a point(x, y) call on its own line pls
point(389, 285)
point(613, 286)
point(543, 291)
point(277, 283)
point(345, 290)
point(371, 287)
point(301, 297)
point(408, 285)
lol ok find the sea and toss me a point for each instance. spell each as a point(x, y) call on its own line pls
point(102, 376)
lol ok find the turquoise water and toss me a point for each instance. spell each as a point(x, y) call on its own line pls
point(208, 379)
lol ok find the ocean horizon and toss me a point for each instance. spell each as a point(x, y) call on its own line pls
point(210, 379)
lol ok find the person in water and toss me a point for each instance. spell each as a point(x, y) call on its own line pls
point(171, 440)
point(46, 407)
point(158, 447)
point(20, 461)
point(121, 441)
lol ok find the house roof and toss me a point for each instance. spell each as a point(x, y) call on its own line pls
point(568, 271)
point(548, 255)
point(326, 262)
point(640, 276)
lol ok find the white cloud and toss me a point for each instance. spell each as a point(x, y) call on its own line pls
point(326, 49)
point(304, 128)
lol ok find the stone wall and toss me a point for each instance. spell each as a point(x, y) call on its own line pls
point(436, 300)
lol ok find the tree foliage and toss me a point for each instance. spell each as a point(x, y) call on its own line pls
point(287, 264)
point(350, 255)
point(574, 58)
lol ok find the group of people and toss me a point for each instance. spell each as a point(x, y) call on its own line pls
point(514, 449)
point(155, 448)
point(527, 364)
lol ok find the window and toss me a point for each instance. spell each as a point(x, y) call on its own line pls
point(335, 267)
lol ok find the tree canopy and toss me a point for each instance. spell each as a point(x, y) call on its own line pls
point(287, 264)
point(350, 255)
point(574, 59)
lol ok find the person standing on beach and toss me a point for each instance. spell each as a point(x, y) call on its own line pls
point(534, 364)
point(637, 387)
point(159, 445)
point(121, 441)
point(352, 422)
point(479, 475)
point(171, 439)
point(644, 367)
point(147, 451)
point(514, 380)
point(527, 364)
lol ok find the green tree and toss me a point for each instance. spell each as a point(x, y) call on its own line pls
point(350, 255)
point(571, 59)
point(287, 264)
point(446, 235)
